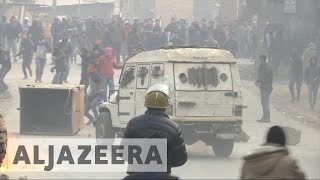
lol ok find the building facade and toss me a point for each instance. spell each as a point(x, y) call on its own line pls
point(191, 10)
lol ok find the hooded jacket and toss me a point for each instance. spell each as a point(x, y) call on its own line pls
point(271, 161)
point(107, 63)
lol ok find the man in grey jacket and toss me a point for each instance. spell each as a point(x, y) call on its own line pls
point(264, 82)
point(312, 79)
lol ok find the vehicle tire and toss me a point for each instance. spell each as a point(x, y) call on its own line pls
point(222, 148)
point(104, 127)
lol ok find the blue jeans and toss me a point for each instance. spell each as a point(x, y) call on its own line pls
point(108, 82)
point(92, 102)
point(312, 93)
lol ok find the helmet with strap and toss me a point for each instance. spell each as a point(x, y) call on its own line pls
point(158, 96)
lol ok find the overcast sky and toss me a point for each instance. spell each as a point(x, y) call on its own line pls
point(69, 2)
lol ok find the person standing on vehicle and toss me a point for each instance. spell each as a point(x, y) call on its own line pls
point(26, 50)
point(5, 63)
point(272, 160)
point(42, 47)
point(106, 65)
point(264, 82)
point(13, 32)
point(155, 123)
point(312, 78)
point(296, 74)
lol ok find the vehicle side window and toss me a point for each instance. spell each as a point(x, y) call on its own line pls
point(143, 76)
point(157, 73)
point(128, 77)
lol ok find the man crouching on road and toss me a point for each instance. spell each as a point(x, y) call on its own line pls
point(155, 123)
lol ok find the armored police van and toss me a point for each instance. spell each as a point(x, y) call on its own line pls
point(205, 99)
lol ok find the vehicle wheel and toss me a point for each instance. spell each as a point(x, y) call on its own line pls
point(104, 126)
point(222, 148)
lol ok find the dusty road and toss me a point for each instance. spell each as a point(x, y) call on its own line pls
point(201, 163)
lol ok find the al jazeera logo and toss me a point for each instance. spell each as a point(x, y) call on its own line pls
point(86, 155)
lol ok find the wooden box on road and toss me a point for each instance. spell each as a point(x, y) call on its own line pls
point(51, 109)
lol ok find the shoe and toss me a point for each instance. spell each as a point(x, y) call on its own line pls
point(25, 78)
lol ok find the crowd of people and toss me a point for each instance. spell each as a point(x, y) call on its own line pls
point(103, 47)
point(69, 38)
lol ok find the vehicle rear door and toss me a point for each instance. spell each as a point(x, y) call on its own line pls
point(200, 92)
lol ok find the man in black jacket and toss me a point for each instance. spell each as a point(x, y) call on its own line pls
point(155, 123)
point(59, 57)
point(5, 63)
point(26, 50)
point(12, 31)
point(264, 82)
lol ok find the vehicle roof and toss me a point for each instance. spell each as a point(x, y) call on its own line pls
point(184, 55)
